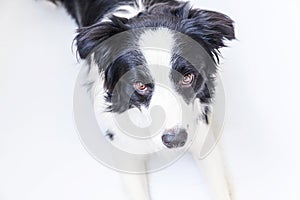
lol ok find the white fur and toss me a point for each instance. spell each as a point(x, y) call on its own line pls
point(126, 11)
point(157, 46)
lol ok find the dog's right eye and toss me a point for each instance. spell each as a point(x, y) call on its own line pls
point(141, 88)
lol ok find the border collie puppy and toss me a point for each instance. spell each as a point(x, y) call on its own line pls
point(152, 68)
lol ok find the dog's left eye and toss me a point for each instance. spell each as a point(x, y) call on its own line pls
point(141, 88)
point(187, 80)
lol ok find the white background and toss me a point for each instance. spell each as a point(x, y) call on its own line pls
point(41, 156)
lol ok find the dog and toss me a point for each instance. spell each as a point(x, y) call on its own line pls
point(146, 57)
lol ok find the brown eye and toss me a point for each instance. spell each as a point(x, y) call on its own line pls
point(140, 87)
point(187, 79)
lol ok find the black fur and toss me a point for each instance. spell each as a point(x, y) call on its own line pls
point(124, 71)
point(110, 135)
point(89, 12)
point(208, 28)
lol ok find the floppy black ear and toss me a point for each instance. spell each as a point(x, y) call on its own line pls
point(88, 38)
point(209, 28)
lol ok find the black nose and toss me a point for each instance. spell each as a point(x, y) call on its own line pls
point(173, 138)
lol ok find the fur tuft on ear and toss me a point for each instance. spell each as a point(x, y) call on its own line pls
point(90, 37)
point(209, 28)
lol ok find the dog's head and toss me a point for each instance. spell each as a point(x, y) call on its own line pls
point(156, 69)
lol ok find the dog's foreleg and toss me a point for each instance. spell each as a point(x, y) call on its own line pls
point(214, 169)
point(136, 186)
point(216, 174)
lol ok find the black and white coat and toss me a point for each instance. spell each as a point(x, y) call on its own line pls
point(148, 53)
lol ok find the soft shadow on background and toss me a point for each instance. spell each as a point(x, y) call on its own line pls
point(40, 153)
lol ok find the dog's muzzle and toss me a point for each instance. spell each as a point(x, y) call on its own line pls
point(173, 138)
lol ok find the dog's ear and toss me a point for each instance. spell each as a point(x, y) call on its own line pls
point(88, 38)
point(209, 28)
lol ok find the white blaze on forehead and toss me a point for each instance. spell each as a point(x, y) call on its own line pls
point(156, 46)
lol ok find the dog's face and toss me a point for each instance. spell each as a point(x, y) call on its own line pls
point(156, 72)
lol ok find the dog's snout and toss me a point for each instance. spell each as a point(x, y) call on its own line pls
point(173, 138)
